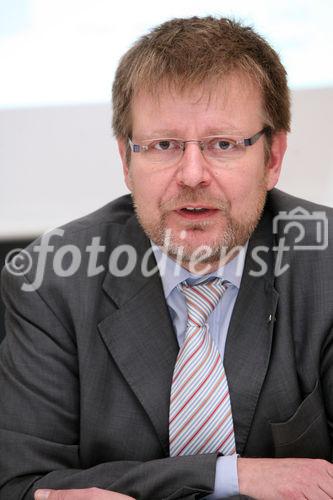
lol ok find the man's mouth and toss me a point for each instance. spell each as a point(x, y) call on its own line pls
point(196, 212)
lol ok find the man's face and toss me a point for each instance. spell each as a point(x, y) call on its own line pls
point(231, 192)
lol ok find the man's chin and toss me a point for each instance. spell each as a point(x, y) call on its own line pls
point(202, 242)
point(200, 248)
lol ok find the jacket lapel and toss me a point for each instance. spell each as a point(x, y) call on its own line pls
point(139, 334)
point(249, 339)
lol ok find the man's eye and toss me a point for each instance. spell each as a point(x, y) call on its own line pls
point(163, 145)
point(224, 145)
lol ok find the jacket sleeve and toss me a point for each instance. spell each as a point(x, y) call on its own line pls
point(39, 427)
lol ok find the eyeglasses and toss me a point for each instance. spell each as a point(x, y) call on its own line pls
point(215, 148)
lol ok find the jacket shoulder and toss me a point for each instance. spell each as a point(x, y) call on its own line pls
point(116, 212)
point(278, 201)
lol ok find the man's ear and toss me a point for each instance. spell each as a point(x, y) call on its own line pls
point(122, 147)
point(274, 164)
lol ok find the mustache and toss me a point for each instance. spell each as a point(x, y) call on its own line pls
point(197, 197)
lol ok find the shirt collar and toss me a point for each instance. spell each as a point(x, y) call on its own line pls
point(172, 274)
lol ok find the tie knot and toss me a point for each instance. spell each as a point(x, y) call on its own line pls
point(202, 298)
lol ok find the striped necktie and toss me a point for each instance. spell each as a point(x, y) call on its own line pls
point(200, 409)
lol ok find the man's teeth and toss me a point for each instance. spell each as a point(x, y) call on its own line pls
point(192, 209)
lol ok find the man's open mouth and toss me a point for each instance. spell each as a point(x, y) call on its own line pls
point(196, 212)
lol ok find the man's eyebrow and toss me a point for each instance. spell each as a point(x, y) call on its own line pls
point(173, 133)
point(224, 131)
point(159, 133)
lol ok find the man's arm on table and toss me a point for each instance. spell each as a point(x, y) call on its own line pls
point(262, 479)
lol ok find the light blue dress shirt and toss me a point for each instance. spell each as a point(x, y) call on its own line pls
point(226, 478)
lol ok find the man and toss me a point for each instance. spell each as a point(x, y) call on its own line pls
point(179, 346)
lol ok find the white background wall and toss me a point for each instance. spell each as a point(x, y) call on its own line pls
point(308, 165)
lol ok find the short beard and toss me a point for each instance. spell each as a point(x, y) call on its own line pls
point(235, 234)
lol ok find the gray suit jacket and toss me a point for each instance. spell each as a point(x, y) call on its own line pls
point(87, 363)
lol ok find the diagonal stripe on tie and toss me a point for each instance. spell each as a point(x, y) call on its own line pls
point(200, 410)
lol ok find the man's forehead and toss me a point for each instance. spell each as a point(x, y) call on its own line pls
point(223, 98)
point(236, 85)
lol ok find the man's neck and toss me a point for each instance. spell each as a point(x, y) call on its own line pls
point(202, 267)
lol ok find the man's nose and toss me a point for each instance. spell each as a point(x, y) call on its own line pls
point(193, 169)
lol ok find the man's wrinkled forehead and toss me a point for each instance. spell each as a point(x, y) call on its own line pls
point(217, 94)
